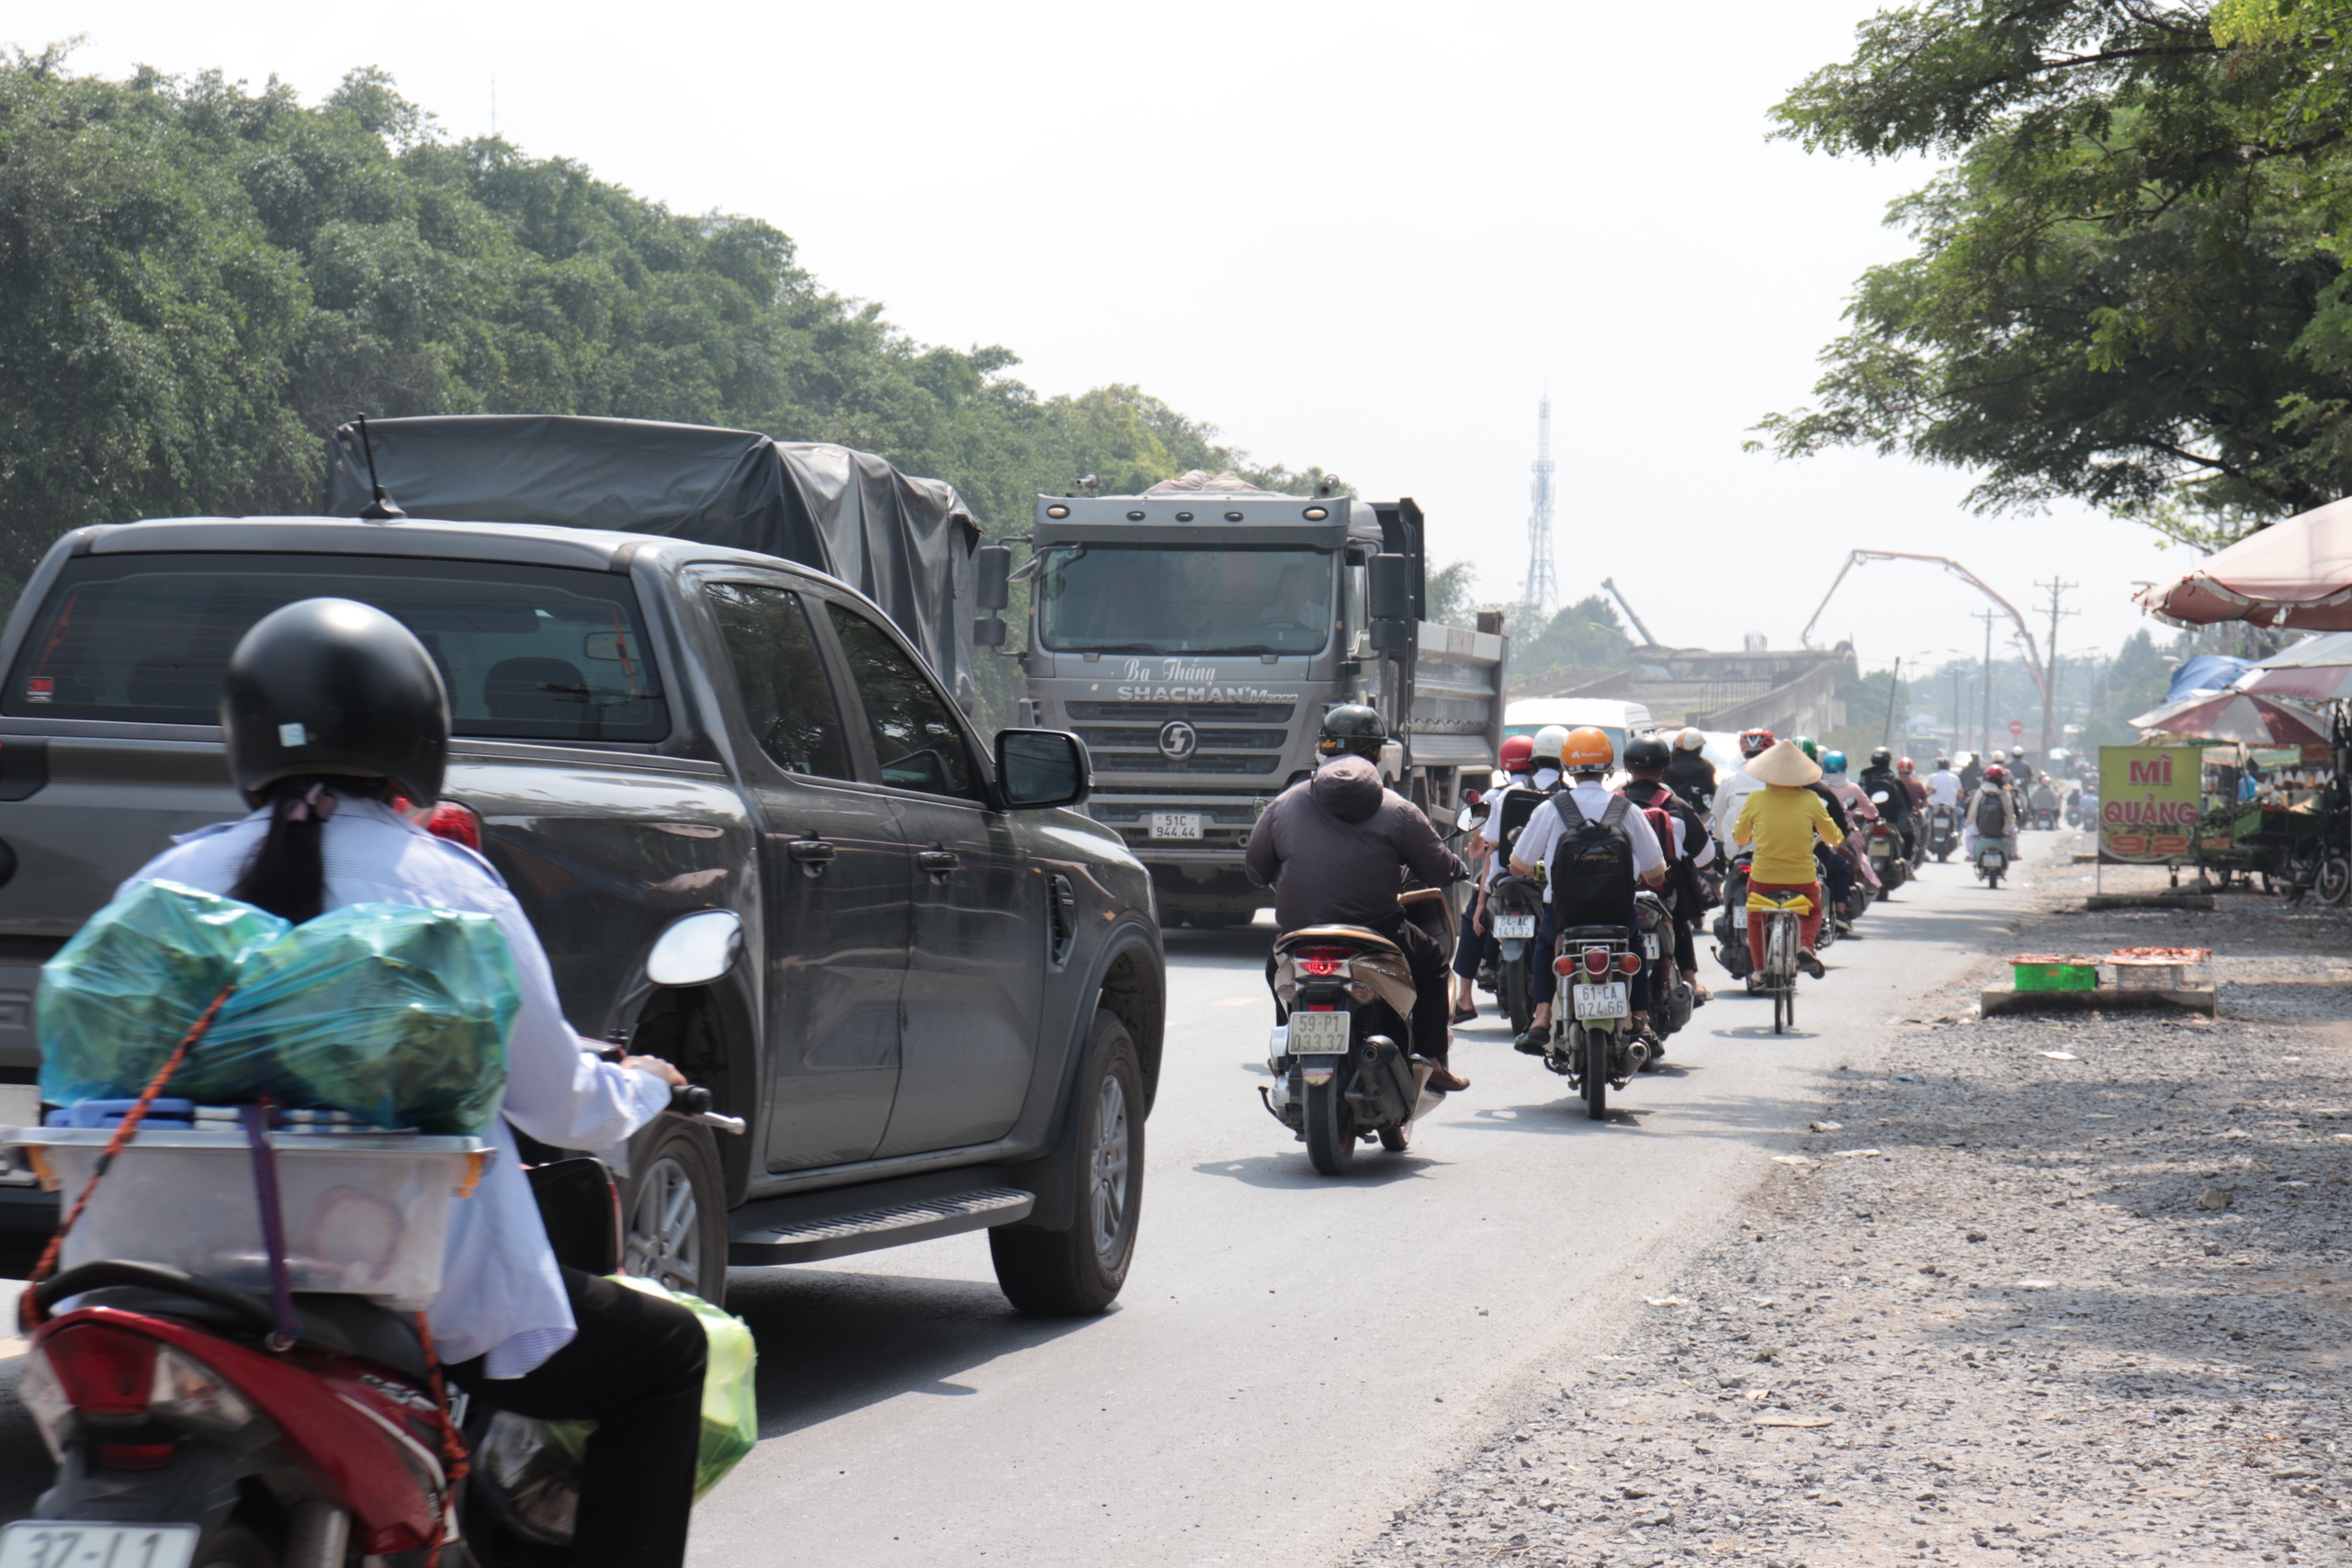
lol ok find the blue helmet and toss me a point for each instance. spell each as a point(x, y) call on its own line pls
point(1833, 762)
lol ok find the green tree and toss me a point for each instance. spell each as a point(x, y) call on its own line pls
point(2129, 287)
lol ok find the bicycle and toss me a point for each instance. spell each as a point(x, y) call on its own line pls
point(1783, 913)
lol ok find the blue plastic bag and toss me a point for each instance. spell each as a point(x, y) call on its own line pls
point(394, 1013)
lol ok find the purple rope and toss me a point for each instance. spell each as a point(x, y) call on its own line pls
point(257, 1120)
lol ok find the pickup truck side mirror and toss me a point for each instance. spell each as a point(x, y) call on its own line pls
point(696, 949)
point(1038, 768)
point(992, 576)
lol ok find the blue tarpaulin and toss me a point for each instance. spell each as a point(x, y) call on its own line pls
point(2205, 672)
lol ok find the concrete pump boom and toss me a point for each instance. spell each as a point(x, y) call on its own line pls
point(2033, 651)
point(1618, 594)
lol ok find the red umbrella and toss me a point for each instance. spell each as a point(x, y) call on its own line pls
point(2295, 574)
point(2233, 715)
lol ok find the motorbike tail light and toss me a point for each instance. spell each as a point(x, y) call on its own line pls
point(1321, 961)
point(1631, 963)
point(135, 1456)
point(103, 1370)
point(1563, 965)
point(1596, 960)
point(187, 1390)
point(459, 824)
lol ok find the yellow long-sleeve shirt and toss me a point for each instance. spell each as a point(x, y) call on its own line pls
point(1781, 821)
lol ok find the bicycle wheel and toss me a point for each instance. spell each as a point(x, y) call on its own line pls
point(2335, 883)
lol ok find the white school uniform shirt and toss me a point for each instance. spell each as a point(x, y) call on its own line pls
point(1541, 834)
point(1943, 787)
point(1735, 788)
point(502, 1294)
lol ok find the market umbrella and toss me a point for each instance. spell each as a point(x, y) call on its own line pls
point(2293, 573)
point(2233, 715)
point(2316, 669)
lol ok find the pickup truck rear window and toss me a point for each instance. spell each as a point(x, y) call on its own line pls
point(528, 653)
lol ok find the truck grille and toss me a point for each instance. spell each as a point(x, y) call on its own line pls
point(1100, 737)
point(1225, 763)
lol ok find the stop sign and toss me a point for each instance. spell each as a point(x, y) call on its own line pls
point(2017, 726)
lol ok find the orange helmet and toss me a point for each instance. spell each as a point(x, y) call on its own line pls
point(1516, 751)
point(1588, 750)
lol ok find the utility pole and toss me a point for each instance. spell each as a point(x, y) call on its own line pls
point(1894, 695)
point(2050, 659)
point(1984, 747)
point(1955, 709)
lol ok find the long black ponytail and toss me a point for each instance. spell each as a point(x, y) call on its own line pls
point(286, 875)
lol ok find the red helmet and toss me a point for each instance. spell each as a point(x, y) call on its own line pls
point(1904, 767)
point(1754, 742)
point(1997, 773)
point(1517, 750)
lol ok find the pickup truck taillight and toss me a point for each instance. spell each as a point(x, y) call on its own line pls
point(459, 824)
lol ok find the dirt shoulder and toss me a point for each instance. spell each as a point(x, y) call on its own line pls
point(2068, 1290)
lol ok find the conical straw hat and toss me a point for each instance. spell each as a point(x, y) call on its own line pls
point(1785, 763)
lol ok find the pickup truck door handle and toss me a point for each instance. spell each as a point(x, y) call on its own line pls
point(939, 863)
point(811, 852)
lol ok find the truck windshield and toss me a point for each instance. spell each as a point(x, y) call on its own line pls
point(1172, 599)
point(528, 653)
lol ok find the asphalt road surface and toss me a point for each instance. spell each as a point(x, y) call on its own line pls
point(1295, 1356)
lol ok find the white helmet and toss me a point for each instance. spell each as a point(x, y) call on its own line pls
point(1689, 741)
point(2000, 756)
point(1550, 741)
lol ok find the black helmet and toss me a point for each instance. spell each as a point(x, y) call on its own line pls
point(334, 686)
point(1881, 757)
point(1649, 752)
point(1351, 727)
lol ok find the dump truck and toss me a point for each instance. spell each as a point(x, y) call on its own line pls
point(1194, 635)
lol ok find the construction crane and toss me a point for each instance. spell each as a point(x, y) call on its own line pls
point(1610, 584)
point(2032, 652)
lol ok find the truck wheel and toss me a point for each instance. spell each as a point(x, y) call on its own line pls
point(1078, 1272)
point(674, 1212)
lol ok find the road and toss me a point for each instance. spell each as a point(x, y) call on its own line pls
point(1293, 1356)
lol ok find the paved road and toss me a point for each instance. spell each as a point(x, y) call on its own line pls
point(1293, 1355)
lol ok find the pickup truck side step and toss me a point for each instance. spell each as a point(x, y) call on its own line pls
point(865, 1230)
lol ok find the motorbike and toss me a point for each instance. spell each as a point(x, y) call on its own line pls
point(1992, 863)
point(1339, 1075)
point(1671, 998)
point(1731, 924)
point(1884, 847)
point(1513, 906)
point(2077, 814)
point(1943, 832)
point(1597, 1050)
point(200, 1424)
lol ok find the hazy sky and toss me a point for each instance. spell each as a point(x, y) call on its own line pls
point(1362, 235)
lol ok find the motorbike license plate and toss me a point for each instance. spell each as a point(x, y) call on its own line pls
point(1514, 928)
point(1608, 999)
point(1175, 824)
point(61, 1543)
point(1740, 917)
point(1649, 945)
point(1319, 1033)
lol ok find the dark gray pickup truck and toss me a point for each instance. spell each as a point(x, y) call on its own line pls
point(947, 1011)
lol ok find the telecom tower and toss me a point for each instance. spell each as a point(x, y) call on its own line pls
point(1542, 588)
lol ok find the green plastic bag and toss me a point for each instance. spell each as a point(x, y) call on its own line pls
point(730, 1412)
point(394, 1013)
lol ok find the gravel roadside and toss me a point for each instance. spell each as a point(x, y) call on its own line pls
point(2070, 1289)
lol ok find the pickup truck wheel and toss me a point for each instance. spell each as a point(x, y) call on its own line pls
point(674, 1212)
point(1078, 1272)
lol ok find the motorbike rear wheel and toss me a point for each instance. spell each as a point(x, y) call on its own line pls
point(1518, 997)
point(1331, 1126)
point(2335, 884)
point(1597, 1043)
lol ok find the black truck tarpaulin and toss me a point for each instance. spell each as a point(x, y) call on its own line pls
point(906, 543)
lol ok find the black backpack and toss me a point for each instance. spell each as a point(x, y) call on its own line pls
point(1989, 814)
point(1592, 868)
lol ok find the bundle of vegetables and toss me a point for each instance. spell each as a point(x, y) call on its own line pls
point(393, 1013)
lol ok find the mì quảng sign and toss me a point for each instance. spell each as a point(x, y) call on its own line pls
point(2147, 801)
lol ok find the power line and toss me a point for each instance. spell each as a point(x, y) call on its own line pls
point(2050, 656)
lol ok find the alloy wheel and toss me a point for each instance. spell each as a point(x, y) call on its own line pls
point(664, 1240)
point(1108, 1173)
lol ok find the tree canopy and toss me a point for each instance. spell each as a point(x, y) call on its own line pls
point(2128, 286)
point(197, 281)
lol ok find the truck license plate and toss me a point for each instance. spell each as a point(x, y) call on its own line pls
point(1175, 824)
point(1514, 928)
point(1319, 1033)
point(1608, 999)
point(60, 1543)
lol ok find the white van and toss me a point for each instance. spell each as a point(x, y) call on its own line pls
point(1618, 720)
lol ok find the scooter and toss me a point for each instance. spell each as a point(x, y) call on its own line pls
point(200, 1424)
point(1514, 904)
point(1597, 1050)
point(1943, 832)
point(1992, 863)
point(1731, 925)
point(1885, 851)
point(1339, 1074)
point(1672, 1001)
